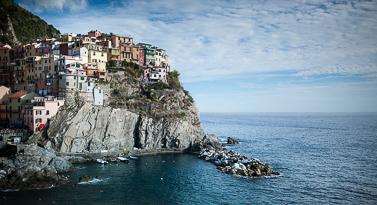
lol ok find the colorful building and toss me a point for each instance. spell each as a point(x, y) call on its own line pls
point(94, 34)
point(5, 56)
point(46, 66)
point(117, 40)
point(16, 101)
point(82, 52)
point(19, 74)
point(38, 112)
point(96, 71)
point(155, 74)
point(129, 53)
point(114, 54)
point(5, 92)
point(96, 53)
point(74, 76)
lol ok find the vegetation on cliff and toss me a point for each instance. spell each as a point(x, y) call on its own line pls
point(153, 100)
point(26, 25)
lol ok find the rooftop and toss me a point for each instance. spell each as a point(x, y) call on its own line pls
point(18, 94)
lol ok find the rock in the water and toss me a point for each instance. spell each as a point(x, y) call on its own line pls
point(232, 141)
point(233, 163)
point(87, 178)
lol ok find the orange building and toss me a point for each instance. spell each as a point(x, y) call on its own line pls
point(129, 53)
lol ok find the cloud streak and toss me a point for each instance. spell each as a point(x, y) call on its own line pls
point(39, 6)
point(318, 41)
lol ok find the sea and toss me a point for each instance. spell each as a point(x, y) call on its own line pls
point(323, 158)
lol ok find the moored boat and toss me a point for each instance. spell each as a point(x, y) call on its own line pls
point(123, 159)
point(102, 161)
point(131, 157)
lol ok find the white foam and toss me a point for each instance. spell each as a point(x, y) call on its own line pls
point(94, 181)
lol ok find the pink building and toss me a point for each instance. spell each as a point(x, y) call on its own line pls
point(43, 49)
point(38, 113)
point(94, 34)
point(155, 74)
point(117, 40)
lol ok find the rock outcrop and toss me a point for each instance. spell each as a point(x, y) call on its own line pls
point(174, 123)
point(33, 167)
point(233, 163)
point(232, 141)
point(87, 178)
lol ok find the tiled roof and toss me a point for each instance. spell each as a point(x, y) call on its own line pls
point(4, 48)
point(18, 94)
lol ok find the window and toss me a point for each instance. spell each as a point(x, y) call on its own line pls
point(38, 120)
point(58, 104)
point(82, 78)
point(67, 83)
point(19, 99)
point(74, 77)
point(47, 112)
point(38, 112)
point(99, 91)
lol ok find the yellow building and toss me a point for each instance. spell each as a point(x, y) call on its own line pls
point(114, 54)
point(4, 107)
point(15, 105)
point(30, 69)
point(19, 74)
point(96, 53)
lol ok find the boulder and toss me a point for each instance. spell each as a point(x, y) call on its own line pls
point(232, 141)
point(86, 178)
point(61, 165)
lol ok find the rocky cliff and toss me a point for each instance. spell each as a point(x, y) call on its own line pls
point(33, 167)
point(127, 120)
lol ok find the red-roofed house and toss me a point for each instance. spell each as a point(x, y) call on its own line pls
point(15, 105)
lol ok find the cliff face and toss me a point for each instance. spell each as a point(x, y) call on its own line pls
point(127, 121)
point(93, 128)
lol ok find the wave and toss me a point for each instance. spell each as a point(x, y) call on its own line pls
point(94, 181)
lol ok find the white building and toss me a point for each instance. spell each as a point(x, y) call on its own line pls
point(80, 52)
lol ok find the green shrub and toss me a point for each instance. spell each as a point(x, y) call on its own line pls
point(181, 115)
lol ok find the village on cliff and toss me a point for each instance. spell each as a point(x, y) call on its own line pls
point(35, 77)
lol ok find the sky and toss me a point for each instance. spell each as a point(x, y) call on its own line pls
point(246, 55)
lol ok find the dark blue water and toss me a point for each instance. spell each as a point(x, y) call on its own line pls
point(324, 158)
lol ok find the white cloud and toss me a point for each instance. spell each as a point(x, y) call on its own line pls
point(209, 40)
point(39, 6)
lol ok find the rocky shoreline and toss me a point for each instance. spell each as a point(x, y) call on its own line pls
point(232, 162)
point(34, 167)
